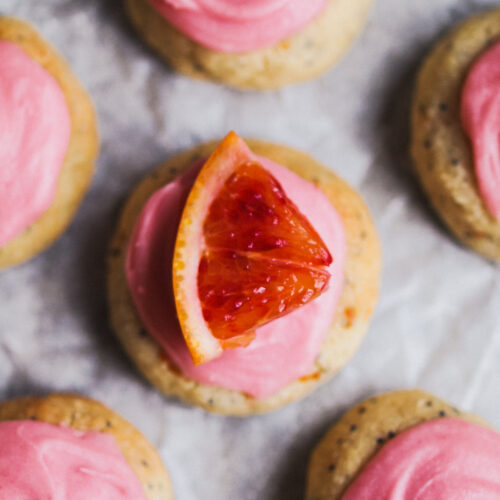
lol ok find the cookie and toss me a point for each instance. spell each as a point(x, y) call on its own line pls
point(297, 58)
point(362, 431)
point(87, 415)
point(78, 165)
point(441, 151)
point(350, 323)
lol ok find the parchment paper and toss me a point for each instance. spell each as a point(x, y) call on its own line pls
point(436, 326)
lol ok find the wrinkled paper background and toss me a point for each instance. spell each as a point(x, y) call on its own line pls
point(437, 322)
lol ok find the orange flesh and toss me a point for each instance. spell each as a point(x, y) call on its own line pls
point(262, 258)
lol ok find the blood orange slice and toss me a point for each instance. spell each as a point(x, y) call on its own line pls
point(244, 253)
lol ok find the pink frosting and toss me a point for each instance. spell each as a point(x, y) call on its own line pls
point(239, 25)
point(481, 120)
point(285, 349)
point(46, 462)
point(35, 128)
point(444, 459)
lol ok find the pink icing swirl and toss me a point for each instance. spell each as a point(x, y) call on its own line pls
point(44, 461)
point(444, 459)
point(481, 121)
point(239, 25)
point(35, 128)
point(285, 349)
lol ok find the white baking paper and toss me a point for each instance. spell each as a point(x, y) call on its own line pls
point(437, 324)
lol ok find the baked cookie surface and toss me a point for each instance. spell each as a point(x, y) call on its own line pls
point(362, 431)
point(88, 415)
point(350, 323)
point(301, 57)
point(441, 151)
point(78, 166)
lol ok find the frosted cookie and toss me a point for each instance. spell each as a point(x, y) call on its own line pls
point(263, 44)
point(48, 143)
point(455, 128)
point(67, 446)
point(406, 445)
point(259, 316)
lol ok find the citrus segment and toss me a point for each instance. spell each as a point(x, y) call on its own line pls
point(260, 257)
point(240, 293)
point(244, 254)
point(251, 213)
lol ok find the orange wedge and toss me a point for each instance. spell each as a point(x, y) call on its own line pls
point(244, 253)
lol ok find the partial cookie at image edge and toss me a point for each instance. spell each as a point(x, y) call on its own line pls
point(79, 163)
point(84, 414)
point(301, 57)
point(357, 436)
point(441, 151)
